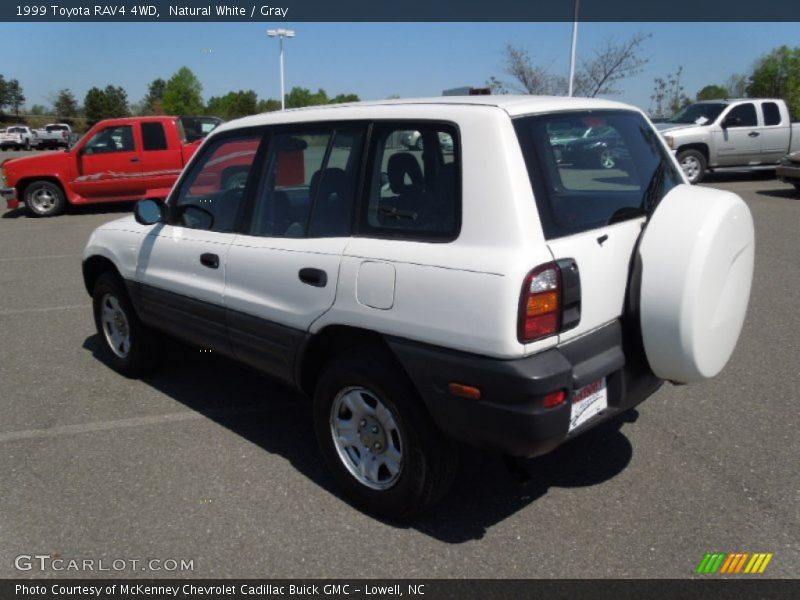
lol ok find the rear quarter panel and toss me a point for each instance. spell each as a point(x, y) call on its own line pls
point(462, 294)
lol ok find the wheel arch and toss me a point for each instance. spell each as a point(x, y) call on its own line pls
point(24, 182)
point(328, 343)
point(699, 146)
point(94, 267)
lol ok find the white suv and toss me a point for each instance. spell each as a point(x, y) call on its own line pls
point(492, 292)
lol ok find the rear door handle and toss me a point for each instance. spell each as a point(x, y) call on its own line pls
point(209, 260)
point(135, 159)
point(753, 134)
point(315, 277)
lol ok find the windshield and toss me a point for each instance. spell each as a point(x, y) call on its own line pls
point(698, 114)
point(620, 172)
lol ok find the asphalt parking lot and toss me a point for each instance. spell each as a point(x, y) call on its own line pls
point(209, 462)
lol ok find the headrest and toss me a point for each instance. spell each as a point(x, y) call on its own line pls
point(401, 165)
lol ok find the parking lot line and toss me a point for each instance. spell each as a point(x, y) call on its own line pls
point(19, 311)
point(44, 256)
point(186, 415)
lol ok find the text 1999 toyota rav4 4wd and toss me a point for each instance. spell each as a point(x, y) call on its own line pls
point(484, 290)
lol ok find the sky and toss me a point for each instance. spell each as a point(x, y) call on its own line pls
point(373, 60)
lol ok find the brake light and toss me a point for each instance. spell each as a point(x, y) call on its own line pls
point(540, 304)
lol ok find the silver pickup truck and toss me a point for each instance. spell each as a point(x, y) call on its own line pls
point(745, 133)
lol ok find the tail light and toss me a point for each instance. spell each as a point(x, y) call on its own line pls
point(540, 304)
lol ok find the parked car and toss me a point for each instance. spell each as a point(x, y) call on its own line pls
point(751, 133)
point(413, 140)
point(597, 147)
point(789, 169)
point(18, 137)
point(491, 295)
point(54, 135)
point(117, 160)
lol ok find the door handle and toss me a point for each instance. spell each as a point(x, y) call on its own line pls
point(135, 159)
point(753, 134)
point(315, 277)
point(209, 260)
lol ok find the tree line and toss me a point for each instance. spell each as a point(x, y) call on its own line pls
point(774, 75)
point(601, 73)
point(181, 94)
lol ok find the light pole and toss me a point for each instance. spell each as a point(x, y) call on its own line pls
point(574, 48)
point(280, 34)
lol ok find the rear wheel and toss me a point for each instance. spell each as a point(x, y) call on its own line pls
point(377, 438)
point(130, 347)
point(606, 159)
point(44, 199)
point(694, 165)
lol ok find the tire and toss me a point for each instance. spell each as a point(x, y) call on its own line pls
point(129, 346)
point(44, 199)
point(606, 159)
point(694, 165)
point(416, 464)
point(235, 179)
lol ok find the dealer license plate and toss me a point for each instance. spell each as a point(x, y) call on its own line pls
point(588, 402)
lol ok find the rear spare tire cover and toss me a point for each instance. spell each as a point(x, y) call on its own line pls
point(697, 266)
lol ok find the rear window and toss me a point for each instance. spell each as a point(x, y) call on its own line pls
point(592, 169)
point(196, 128)
point(772, 114)
point(153, 136)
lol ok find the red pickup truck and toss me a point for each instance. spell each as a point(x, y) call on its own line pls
point(117, 160)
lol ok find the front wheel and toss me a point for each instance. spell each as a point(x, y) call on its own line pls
point(44, 199)
point(377, 438)
point(694, 165)
point(131, 348)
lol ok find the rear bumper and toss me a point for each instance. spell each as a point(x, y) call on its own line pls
point(10, 196)
point(510, 416)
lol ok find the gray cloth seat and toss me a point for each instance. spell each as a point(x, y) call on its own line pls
point(332, 193)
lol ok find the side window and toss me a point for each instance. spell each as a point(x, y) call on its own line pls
point(743, 115)
point(212, 196)
point(153, 136)
point(772, 114)
point(310, 184)
point(112, 139)
point(413, 184)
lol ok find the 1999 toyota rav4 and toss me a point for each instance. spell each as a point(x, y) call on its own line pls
point(478, 289)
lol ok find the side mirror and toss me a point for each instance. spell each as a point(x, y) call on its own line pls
point(731, 122)
point(149, 212)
